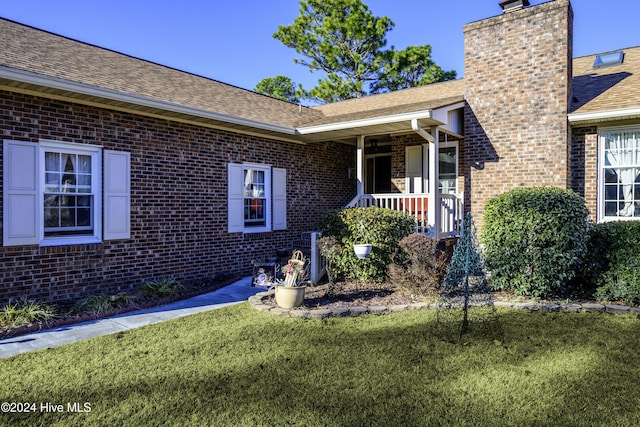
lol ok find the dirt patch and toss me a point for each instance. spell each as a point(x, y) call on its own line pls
point(354, 293)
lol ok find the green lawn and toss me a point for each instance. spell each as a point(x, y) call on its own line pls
point(237, 366)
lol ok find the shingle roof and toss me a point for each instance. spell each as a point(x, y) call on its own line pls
point(35, 51)
point(609, 88)
point(30, 49)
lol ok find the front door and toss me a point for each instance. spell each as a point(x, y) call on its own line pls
point(378, 174)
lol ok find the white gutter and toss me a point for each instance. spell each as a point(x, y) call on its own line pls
point(604, 115)
point(417, 129)
point(426, 114)
point(85, 89)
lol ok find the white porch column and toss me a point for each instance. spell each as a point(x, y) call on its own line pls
point(434, 172)
point(360, 165)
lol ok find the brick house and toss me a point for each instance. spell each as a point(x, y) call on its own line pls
point(116, 170)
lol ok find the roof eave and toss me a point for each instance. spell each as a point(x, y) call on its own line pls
point(594, 117)
point(114, 95)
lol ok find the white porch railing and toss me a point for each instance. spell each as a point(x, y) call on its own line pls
point(417, 205)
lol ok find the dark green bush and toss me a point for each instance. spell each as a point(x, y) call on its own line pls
point(382, 228)
point(612, 264)
point(534, 239)
point(418, 265)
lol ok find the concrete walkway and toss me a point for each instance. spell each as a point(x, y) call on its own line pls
point(235, 293)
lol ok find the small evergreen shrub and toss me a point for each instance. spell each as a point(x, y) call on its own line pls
point(383, 228)
point(418, 265)
point(612, 264)
point(534, 239)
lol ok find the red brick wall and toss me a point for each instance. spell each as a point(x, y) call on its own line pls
point(584, 162)
point(178, 199)
point(518, 83)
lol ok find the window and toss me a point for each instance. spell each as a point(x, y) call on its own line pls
point(608, 59)
point(620, 173)
point(53, 193)
point(70, 187)
point(256, 198)
point(448, 168)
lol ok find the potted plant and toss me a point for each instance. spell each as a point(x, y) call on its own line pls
point(289, 292)
point(362, 250)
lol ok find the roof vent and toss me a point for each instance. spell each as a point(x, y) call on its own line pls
point(513, 5)
point(608, 59)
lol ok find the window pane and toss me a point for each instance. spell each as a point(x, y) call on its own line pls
point(52, 162)
point(84, 164)
point(84, 217)
point(51, 219)
point(67, 217)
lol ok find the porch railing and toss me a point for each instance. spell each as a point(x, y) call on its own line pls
point(417, 205)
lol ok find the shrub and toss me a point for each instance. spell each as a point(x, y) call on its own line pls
point(534, 239)
point(382, 228)
point(167, 287)
point(419, 265)
point(97, 304)
point(25, 312)
point(612, 264)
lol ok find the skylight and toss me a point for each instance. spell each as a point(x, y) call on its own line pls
point(608, 59)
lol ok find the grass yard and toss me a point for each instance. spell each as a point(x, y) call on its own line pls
point(240, 367)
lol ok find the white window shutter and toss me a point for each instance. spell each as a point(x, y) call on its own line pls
point(117, 195)
point(20, 214)
point(279, 199)
point(235, 198)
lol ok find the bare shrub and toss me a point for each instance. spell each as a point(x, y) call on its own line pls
point(418, 265)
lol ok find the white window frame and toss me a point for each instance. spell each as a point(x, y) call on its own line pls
point(266, 169)
point(600, 199)
point(451, 144)
point(95, 152)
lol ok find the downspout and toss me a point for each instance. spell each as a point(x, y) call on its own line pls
point(433, 212)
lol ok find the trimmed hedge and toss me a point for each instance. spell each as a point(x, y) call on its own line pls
point(382, 228)
point(534, 239)
point(612, 265)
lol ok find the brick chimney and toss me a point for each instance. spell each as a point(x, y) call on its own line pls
point(517, 77)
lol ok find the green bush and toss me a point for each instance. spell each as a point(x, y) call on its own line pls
point(612, 265)
point(382, 228)
point(25, 312)
point(534, 239)
point(100, 303)
point(167, 287)
point(418, 265)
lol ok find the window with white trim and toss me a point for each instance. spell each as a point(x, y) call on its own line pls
point(71, 183)
point(256, 198)
point(448, 168)
point(53, 193)
point(619, 175)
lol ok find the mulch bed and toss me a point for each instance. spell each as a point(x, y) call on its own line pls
point(141, 303)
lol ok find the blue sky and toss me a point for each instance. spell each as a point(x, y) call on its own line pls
point(231, 41)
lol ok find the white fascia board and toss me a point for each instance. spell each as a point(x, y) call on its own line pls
point(604, 115)
point(426, 114)
point(85, 89)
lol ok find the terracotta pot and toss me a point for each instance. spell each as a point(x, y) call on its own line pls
point(289, 296)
